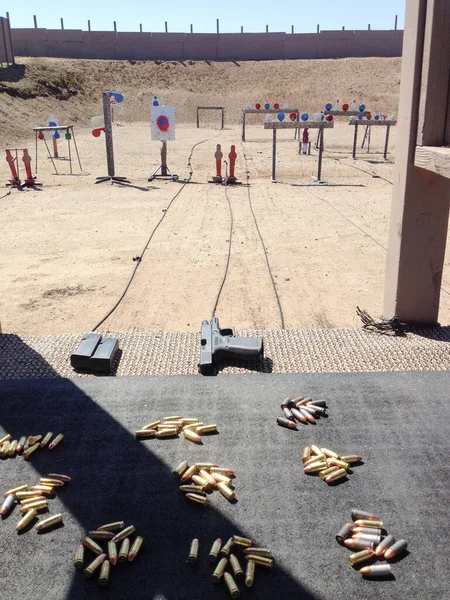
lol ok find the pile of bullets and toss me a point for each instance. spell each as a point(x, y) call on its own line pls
point(302, 410)
point(252, 555)
point(329, 465)
point(27, 445)
point(33, 499)
point(364, 535)
point(201, 478)
point(127, 551)
point(170, 427)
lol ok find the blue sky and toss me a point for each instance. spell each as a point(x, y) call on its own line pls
point(251, 14)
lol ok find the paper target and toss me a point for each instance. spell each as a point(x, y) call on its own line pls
point(162, 123)
point(52, 122)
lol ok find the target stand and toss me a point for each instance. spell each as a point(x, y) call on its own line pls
point(111, 177)
point(163, 170)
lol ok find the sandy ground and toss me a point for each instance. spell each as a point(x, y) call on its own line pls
point(66, 251)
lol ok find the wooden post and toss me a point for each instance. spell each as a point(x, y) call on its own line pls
point(420, 198)
point(217, 26)
point(386, 142)
point(115, 27)
point(319, 166)
point(274, 154)
point(164, 159)
point(355, 141)
point(165, 24)
point(62, 23)
point(89, 25)
point(108, 134)
point(35, 21)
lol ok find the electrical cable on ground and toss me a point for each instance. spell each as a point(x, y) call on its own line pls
point(138, 259)
point(373, 175)
point(4, 195)
point(262, 241)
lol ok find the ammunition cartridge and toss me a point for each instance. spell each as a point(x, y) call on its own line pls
point(124, 550)
point(29, 452)
point(192, 436)
point(175, 423)
point(124, 533)
point(197, 498)
point(315, 458)
point(306, 455)
point(286, 402)
point(308, 415)
point(189, 421)
point(226, 548)
point(144, 434)
point(384, 545)
point(301, 401)
point(249, 573)
point(173, 418)
point(192, 489)
point(78, 557)
point(182, 467)
point(367, 530)
point(298, 415)
point(64, 478)
point(376, 571)
point(322, 403)
point(20, 488)
point(198, 480)
point(4, 449)
point(104, 573)
point(193, 426)
point(151, 425)
point(112, 552)
point(22, 495)
point(361, 556)
point(27, 443)
point(49, 522)
point(5, 438)
point(226, 472)
point(26, 520)
point(43, 489)
point(89, 570)
point(55, 441)
point(260, 560)
point(236, 567)
point(215, 549)
point(371, 524)
point(312, 411)
point(338, 463)
point(135, 547)
point(367, 537)
point(315, 450)
point(193, 551)
point(12, 448)
point(339, 474)
point(38, 505)
point(167, 433)
point(220, 568)
point(259, 551)
point(362, 514)
point(287, 413)
point(297, 399)
point(329, 453)
point(8, 504)
point(352, 458)
point(344, 533)
point(396, 549)
point(242, 541)
point(283, 422)
point(231, 585)
point(47, 481)
point(101, 534)
point(205, 465)
point(116, 526)
point(318, 465)
point(208, 477)
point(206, 429)
point(91, 545)
point(227, 492)
point(46, 439)
point(355, 544)
point(219, 477)
point(35, 498)
point(33, 439)
point(188, 473)
point(326, 472)
point(318, 410)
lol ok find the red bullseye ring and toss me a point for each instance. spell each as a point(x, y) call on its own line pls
point(162, 122)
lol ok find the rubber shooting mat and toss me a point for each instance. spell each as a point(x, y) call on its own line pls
point(398, 422)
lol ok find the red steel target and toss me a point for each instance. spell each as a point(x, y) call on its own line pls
point(293, 116)
point(276, 106)
point(345, 107)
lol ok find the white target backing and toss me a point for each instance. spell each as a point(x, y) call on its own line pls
point(162, 123)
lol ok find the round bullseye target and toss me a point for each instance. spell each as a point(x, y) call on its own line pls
point(162, 122)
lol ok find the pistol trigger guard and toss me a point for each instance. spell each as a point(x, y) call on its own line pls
point(228, 331)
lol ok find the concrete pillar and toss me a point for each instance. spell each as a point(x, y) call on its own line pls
point(35, 21)
point(420, 198)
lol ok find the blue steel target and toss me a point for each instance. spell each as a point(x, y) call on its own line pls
point(328, 106)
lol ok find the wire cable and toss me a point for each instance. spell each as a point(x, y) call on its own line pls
point(138, 259)
point(262, 241)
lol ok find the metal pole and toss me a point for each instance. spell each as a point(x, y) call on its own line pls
point(89, 25)
point(355, 140)
point(62, 23)
point(4, 42)
point(386, 142)
point(292, 29)
point(365, 135)
point(70, 155)
point(267, 29)
point(36, 150)
point(368, 27)
point(217, 26)
point(115, 26)
point(140, 27)
point(165, 23)
point(243, 126)
point(319, 168)
point(274, 153)
point(223, 118)
point(395, 23)
point(108, 134)
point(192, 28)
point(198, 122)
point(76, 148)
point(242, 29)
point(368, 139)
point(318, 28)
point(35, 22)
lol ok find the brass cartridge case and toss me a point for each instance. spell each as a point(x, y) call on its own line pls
point(338, 463)
point(26, 520)
point(242, 541)
point(20, 488)
point(151, 425)
point(326, 472)
point(182, 468)
point(145, 434)
point(267, 552)
point(362, 514)
point(221, 478)
point(167, 433)
point(101, 534)
point(361, 556)
point(38, 505)
point(206, 429)
point(208, 477)
point(205, 465)
point(329, 453)
point(27, 453)
point(56, 441)
point(193, 551)
point(336, 475)
point(227, 492)
point(231, 585)
point(4, 449)
point(46, 490)
point(318, 465)
point(314, 459)
point(5, 438)
point(215, 549)
point(46, 439)
point(192, 489)
point(352, 458)
point(197, 498)
point(173, 418)
point(369, 523)
point(49, 522)
point(135, 547)
point(78, 557)
point(124, 533)
point(64, 478)
point(32, 500)
point(89, 570)
point(226, 548)
point(21, 444)
point(112, 552)
point(250, 573)
point(33, 439)
point(12, 448)
point(188, 473)
point(198, 480)
point(384, 545)
point(192, 436)
point(189, 421)
point(92, 546)
point(260, 560)
point(236, 567)
point(116, 526)
point(124, 550)
point(220, 568)
point(306, 455)
point(104, 573)
point(226, 472)
point(23, 494)
point(47, 481)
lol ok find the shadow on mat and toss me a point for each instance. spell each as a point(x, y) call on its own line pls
point(115, 477)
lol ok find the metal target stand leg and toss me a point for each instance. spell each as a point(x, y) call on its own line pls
point(163, 170)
